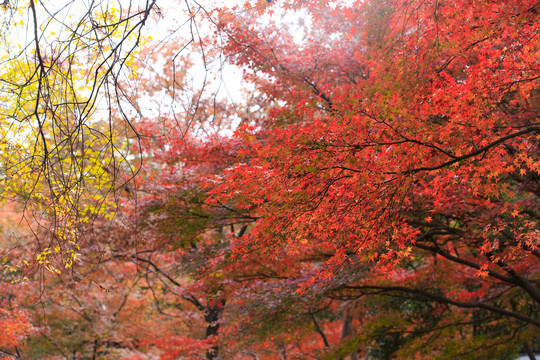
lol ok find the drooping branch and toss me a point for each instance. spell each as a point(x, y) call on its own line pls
point(473, 153)
point(514, 278)
point(388, 290)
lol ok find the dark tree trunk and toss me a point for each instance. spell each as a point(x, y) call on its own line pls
point(211, 316)
point(346, 331)
point(529, 351)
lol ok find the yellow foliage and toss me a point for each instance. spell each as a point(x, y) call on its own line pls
point(62, 151)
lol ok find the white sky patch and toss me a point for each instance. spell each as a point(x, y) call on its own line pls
point(58, 22)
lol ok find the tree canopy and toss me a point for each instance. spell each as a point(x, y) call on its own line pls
point(271, 180)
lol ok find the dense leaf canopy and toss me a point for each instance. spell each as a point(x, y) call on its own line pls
point(372, 192)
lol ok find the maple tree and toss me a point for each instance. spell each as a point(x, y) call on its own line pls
point(405, 160)
point(393, 162)
point(379, 197)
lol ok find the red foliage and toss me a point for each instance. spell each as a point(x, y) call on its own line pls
point(398, 159)
point(385, 196)
point(15, 326)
